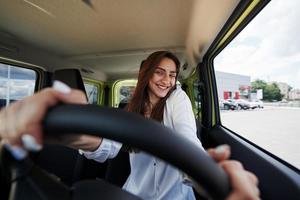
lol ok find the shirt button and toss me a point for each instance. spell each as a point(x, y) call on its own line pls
point(154, 164)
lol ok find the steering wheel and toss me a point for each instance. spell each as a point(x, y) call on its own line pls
point(147, 135)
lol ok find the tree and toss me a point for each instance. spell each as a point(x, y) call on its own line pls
point(258, 84)
point(271, 91)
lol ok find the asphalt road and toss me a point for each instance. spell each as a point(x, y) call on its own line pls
point(276, 129)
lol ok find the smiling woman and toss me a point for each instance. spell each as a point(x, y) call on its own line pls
point(156, 81)
point(162, 80)
point(157, 97)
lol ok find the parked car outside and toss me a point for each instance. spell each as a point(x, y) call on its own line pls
point(228, 104)
point(243, 104)
point(258, 103)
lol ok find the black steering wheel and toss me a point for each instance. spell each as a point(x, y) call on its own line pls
point(147, 135)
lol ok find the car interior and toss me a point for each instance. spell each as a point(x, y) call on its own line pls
point(103, 43)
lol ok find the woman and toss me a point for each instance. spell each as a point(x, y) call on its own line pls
point(156, 97)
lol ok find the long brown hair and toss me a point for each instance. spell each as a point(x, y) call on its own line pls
point(140, 99)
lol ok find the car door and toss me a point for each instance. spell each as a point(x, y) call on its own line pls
point(278, 177)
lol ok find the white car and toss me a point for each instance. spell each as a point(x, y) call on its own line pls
point(260, 103)
point(243, 104)
point(256, 103)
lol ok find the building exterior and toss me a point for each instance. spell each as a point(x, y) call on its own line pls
point(294, 94)
point(284, 89)
point(15, 83)
point(233, 86)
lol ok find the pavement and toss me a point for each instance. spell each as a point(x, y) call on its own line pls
point(276, 129)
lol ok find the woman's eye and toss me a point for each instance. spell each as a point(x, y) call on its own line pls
point(159, 72)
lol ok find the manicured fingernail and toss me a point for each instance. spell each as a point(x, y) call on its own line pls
point(81, 152)
point(30, 143)
point(61, 87)
point(17, 152)
point(221, 149)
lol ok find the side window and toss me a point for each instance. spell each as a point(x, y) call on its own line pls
point(193, 89)
point(123, 91)
point(93, 91)
point(126, 93)
point(15, 83)
point(197, 95)
point(258, 81)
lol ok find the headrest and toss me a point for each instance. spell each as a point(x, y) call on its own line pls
point(71, 77)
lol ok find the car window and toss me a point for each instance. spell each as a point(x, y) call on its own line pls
point(126, 93)
point(197, 95)
point(259, 73)
point(123, 91)
point(94, 91)
point(15, 83)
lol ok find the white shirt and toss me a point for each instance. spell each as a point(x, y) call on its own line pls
point(151, 178)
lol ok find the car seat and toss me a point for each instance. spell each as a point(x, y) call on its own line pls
point(64, 162)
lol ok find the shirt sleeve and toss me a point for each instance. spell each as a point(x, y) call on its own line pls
point(108, 149)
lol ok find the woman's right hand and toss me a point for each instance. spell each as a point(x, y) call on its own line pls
point(25, 116)
point(244, 183)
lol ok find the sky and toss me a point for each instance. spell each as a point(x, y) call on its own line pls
point(269, 47)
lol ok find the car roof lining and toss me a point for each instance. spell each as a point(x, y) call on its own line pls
point(112, 37)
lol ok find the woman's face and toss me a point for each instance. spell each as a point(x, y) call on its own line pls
point(162, 80)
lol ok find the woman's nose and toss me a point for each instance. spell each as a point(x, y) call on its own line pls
point(166, 78)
